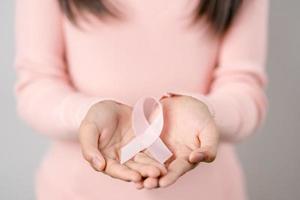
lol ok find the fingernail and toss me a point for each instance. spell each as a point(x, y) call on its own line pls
point(198, 157)
point(201, 156)
point(97, 163)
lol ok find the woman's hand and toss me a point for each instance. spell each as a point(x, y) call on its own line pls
point(104, 131)
point(190, 133)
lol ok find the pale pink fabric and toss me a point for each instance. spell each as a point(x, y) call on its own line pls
point(63, 70)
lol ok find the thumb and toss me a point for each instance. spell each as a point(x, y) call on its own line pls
point(202, 155)
point(89, 139)
point(209, 139)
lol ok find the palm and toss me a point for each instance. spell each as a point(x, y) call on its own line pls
point(182, 125)
point(117, 133)
point(107, 127)
point(189, 132)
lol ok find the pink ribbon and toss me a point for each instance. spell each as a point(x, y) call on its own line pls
point(147, 135)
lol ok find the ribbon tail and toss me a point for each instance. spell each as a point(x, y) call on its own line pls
point(160, 151)
point(131, 149)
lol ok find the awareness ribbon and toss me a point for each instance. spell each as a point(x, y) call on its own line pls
point(147, 134)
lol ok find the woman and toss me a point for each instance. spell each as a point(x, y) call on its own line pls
point(82, 65)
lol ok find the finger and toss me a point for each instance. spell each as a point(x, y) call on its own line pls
point(139, 185)
point(203, 154)
point(209, 138)
point(89, 137)
point(116, 170)
point(150, 183)
point(177, 168)
point(146, 159)
point(143, 169)
point(196, 156)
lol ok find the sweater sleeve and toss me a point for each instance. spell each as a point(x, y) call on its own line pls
point(46, 99)
point(236, 95)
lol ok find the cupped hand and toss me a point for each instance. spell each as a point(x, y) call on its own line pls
point(190, 133)
point(104, 131)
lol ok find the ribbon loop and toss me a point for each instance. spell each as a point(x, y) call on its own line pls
point(147, 134)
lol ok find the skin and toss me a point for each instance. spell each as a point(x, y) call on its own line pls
point(104, 131)
point(189, 132)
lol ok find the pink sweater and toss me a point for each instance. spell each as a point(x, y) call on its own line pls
point(63, 70)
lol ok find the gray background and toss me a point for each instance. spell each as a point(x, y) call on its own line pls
point(270, 158)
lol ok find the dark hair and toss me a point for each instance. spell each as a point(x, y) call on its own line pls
point(218, 13)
